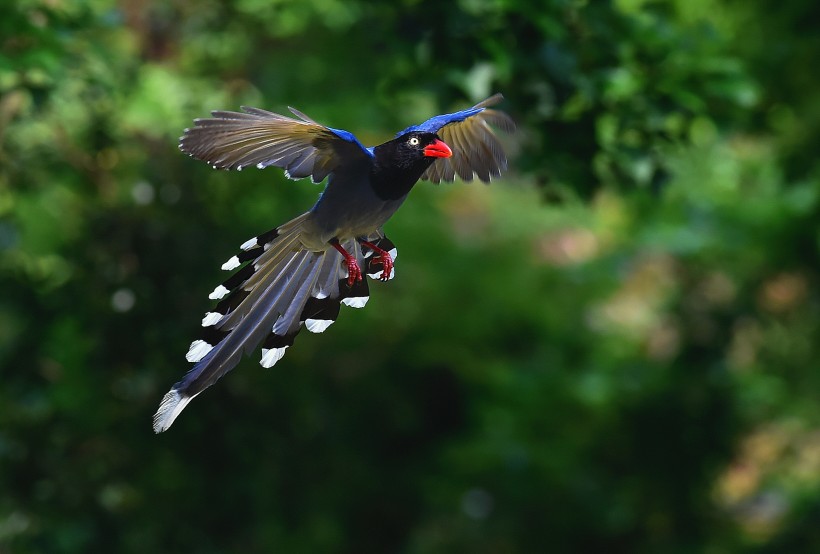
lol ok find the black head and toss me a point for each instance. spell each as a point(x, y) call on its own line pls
point(400, 162)
point(412, 150)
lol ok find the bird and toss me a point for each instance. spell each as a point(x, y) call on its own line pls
point(300, 273)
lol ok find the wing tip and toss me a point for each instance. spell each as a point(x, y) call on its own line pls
point(491, 101)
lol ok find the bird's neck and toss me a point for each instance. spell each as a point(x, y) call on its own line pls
point(392, 179)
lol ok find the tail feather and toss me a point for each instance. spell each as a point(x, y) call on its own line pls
point(276, 276)
point(282, 287)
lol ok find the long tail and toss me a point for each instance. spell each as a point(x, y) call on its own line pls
point(282, 286)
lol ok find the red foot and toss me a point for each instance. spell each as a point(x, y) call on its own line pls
point(354, 272)
point(383, 257)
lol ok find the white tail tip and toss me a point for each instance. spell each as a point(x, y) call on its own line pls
point(318, 325)
point(198, 350)
point(272, 355)
point(211, 318)
point(218, 293)
point(231, 264)
point(248, 244)
point(171, 406)
point(355, 301)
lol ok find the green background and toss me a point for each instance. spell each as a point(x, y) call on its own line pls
point(612, 349)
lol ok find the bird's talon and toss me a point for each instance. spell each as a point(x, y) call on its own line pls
point(387, 266)
point(382, 257)
point(354, 272)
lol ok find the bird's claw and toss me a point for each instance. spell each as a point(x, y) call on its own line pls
point(354, 272)
point(383, 257)
point(386, 260)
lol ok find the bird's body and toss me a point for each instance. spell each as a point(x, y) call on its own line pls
point(349, 208)
point(302, 271)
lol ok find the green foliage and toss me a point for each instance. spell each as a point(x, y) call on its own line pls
point(614, 348)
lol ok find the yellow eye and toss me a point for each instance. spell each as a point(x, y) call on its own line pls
point(414, 141)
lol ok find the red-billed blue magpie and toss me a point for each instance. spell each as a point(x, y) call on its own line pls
point(302, 271)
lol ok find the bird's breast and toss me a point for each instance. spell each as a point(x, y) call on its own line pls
point(347, 209)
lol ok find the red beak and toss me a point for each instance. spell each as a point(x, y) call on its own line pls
point(437, 149)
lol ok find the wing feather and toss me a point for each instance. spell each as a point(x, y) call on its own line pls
point(476, 149)
point(257, 137)
point(469, 133)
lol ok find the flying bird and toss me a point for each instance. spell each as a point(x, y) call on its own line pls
point(302, 271)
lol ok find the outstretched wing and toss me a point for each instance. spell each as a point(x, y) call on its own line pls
point(302, 147)
point(476, 149)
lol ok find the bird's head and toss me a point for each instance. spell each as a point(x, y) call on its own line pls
point(428, 145)
point(399, 163)
point(414, 150)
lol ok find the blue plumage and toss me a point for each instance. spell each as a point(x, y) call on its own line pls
point(350, 137)
point(434, 124)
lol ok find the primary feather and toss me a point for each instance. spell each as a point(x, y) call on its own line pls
point(302, 147)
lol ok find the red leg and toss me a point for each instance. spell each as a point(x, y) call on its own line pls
point(354, 272)
point(383, 257)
